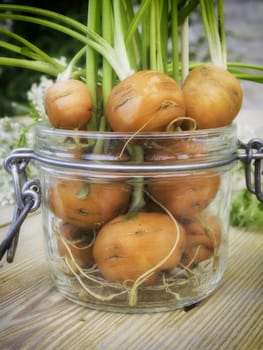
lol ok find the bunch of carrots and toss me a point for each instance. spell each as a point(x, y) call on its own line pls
point(136, 80)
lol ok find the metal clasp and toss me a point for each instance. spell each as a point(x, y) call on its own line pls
point(252, 160)
point(28, 196)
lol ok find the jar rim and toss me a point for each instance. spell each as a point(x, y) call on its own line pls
point(44, 127)
point(56, 148)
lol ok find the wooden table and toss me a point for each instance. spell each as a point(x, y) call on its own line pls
point(35, 316)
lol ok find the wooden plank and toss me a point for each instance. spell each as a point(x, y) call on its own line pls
point(35, 316)
point(6, 214)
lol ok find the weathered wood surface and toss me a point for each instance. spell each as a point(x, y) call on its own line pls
point(33, 315)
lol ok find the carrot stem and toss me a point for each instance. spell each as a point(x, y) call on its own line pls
point(119, 41)
point(164, 38)
point(160, 35)
point(185, 48)
point(133, 44)
point(211, 31)
point(138, 201)
point(39, 66)
point(221, 31)
point(175, 41)
point(136, 20)
point(108, 35)
point(145, 37)
point(28, 49)
point(92, 56)
point(69, 71)
point(185, 11)
point(115, 56)
point(152, 35)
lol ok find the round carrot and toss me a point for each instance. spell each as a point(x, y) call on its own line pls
point(181, 150)
point(213, 96)
point(75, 245)
point(147, 100)
point(185, 195)
point(88, 205)
point(68, 104)
point(202, 238)
point(129, 246)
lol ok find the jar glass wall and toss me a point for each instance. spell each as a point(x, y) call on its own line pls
point(136, 223)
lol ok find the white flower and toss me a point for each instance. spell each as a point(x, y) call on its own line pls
point(36, 94)
point(10, 129)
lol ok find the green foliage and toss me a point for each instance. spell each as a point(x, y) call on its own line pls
point(246, 211)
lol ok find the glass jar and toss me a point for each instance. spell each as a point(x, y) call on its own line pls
point(136, 223)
